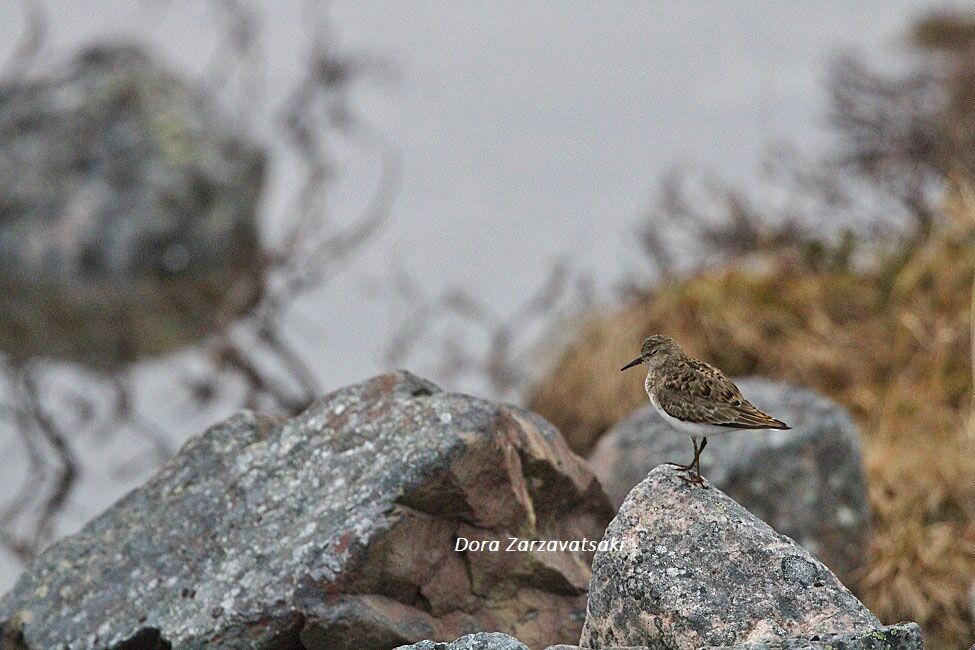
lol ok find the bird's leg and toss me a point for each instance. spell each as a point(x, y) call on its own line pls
point(696, 478)
point(684, 468)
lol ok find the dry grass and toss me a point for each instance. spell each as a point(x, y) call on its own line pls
point(891, 342)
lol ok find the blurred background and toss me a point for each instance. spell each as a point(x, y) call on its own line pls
point(206, 206)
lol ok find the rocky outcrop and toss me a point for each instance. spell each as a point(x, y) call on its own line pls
point(904, 636)
point(479, 641)
point(695, 569)
point(614, 647)
point(807, 483)
point(127, 212)
point(335, 529)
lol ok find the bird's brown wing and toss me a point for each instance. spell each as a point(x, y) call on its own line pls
point(699, 393)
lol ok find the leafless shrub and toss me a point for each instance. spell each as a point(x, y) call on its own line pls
point(457, 338)
point(882, 180)
point(248, 351)
point(896, 141)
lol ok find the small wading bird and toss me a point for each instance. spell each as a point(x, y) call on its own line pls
point(695, 398)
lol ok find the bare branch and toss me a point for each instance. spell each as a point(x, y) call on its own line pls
point(247, 346)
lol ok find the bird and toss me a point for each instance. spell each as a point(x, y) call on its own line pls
point(695, 398)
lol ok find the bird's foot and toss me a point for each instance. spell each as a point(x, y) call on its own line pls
point(682, 468)
point(694, 479)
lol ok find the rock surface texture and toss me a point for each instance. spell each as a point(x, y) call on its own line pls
point(904, 636)
point(614, 647)
point(127, 212)
point(479, 641)
point(335, 529)
point(695, 569)
point(807, 483)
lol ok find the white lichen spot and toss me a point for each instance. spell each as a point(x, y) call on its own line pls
point(298, 553)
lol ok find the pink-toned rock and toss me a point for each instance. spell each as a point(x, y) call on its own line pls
point(335, 529)
point(695, 569)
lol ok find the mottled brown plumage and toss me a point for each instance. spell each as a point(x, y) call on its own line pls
point(694, 391)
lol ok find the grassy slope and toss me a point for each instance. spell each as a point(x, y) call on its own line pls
point(890, 342)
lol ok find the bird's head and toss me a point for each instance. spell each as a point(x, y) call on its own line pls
point(655, 351)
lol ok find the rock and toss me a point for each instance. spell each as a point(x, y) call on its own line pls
point(479, 641)
point(903, 636)
point(971, 602)
point(695, 569)
point(335, 529)
point(127, 212)
point(562, 646)
point(807, 483)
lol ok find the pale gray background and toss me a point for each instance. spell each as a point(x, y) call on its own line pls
point(526, 130)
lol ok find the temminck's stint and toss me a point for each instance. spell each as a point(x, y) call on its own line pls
point(695, 398)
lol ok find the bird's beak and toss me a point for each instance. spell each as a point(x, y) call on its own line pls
point(635, 362)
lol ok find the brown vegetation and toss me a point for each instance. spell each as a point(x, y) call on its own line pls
point(891, 342)
point(862, 288)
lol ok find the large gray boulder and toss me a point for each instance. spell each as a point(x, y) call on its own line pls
point(127, 212)
point(695, 569)
point(334, 529)
point(807, 483)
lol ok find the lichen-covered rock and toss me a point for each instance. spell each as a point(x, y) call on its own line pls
point(127, 212)
point(563, 646)
point(903, 636)
point(695, 569)
point(479, 641)
point(335, 529)
point(807, 483)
